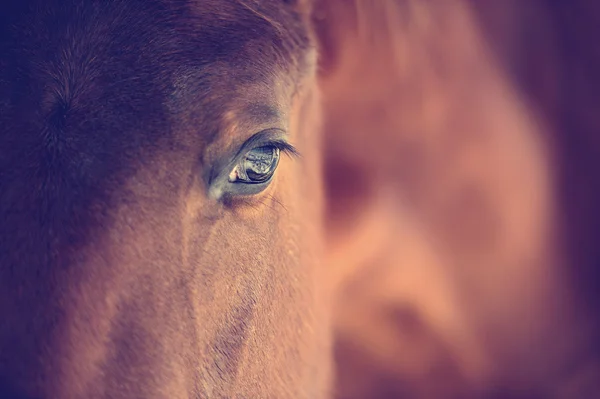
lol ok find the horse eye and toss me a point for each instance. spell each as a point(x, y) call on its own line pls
point(256, 166)
point(252, 168)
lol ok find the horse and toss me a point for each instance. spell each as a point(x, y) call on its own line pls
point(298, 199)
point(461, 154)
point(160, 201)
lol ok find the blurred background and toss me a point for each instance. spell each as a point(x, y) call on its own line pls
point(463, 153)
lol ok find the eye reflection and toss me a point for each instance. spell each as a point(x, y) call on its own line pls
point(257, 166)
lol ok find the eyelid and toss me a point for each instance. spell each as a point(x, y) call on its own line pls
point(274, 137)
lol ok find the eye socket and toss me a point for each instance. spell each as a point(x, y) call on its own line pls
point(257, 166)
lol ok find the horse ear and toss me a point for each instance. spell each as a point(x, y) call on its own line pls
point(340, 25)
point(329, 31)
point(302, 6)
point(332, 21)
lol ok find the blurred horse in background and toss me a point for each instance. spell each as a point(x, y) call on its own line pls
point(462, 153)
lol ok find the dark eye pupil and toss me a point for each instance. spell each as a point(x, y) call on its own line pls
point(260, 163)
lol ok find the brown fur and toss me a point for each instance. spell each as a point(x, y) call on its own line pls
point(119, 276)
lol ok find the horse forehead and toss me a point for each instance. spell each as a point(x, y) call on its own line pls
point(166, 32)
point(91, 50)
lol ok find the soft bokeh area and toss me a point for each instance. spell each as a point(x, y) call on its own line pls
point(463, 144)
